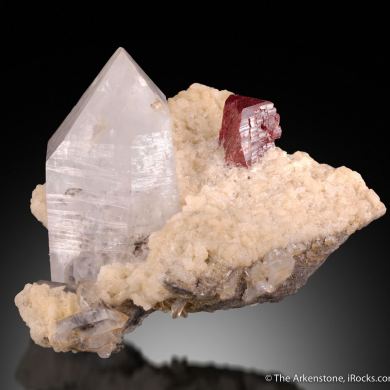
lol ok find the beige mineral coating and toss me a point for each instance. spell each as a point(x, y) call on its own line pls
point(38, 204)
point(287, 207)
point(41, 307)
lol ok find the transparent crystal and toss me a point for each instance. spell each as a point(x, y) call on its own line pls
point(110, 173)
point(98, 329)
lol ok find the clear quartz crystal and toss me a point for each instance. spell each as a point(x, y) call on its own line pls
point(98, 329)
point(110, 173)
point(266, 276)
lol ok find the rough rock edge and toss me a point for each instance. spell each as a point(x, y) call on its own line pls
point(306, 263)
point(185, 299)
point(55, 298)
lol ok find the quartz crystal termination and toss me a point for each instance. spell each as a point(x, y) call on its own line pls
point(249, 127)
point(110, 173)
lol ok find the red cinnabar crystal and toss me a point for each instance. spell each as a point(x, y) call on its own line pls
point(249, 128)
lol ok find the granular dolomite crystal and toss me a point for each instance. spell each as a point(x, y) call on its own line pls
point(242, 236)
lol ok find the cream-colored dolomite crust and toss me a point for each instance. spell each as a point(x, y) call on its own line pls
point(38, 204)
point(42, 306)
point(242, 236)
point(197, 117)
point(231, 216)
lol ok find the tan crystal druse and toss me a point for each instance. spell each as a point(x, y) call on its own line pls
point(243, 235)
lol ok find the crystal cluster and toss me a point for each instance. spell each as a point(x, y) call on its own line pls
point(249, 127)
point(110, 173)
point(123, 247)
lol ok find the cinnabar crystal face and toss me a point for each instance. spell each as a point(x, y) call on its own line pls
point(249, 128)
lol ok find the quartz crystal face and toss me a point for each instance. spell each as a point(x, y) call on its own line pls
point(249, 128)
point(110, 173)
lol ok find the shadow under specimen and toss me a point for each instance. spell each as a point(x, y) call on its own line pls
point(44, 369)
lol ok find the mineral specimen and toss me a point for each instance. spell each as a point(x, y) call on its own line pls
point(242, 236)
point(249, 127)
point(110, 173)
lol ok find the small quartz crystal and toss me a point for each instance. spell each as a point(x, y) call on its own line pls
point(249, 128)
point(98, 329)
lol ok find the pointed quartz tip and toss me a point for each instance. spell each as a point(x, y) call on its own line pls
point(122, 52)
point(120, 49)
point(120, 56)
point(249, 128)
